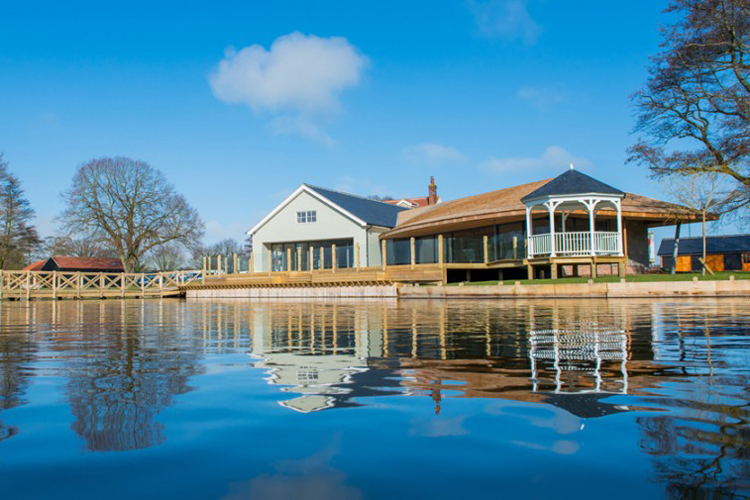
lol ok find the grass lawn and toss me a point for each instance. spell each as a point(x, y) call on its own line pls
point(724, 275)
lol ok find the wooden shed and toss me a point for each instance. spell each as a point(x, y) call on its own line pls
point(723, 253)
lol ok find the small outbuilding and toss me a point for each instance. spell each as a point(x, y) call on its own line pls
point(83, 264)
point(723, 253)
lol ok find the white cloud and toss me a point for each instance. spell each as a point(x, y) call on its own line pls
point(554, 157)
point(299, 79)
point(542, 99)
point(507, 19)
point(428, 152)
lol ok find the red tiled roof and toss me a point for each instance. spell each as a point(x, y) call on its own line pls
point(419, 202)
point(36, 266)
point(87, 263)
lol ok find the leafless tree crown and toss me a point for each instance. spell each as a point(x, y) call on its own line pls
point(130, 205)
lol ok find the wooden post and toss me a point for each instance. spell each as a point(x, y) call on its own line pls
point(79, 284)
point(123, 279)
point(356, 255)
point(333, 257)
point(299, 258)
point(28, 285)
point(441, 255)
point(143, 285)
point(288, 259)
point(218, 265)
point(310, 257)
point(251, 263)
point(515, 248)
point(54, 285)
point(322, 258)
point(412, 253)
point(383, 254)
point(234, 264)
point(270, 261)
point(2, 283)
point(161, 282)
point(486, 248)
point(101, 285)
point(203, 274)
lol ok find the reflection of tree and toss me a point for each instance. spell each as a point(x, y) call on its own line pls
point(701, 452)
point(16, 351)
point(126, 378)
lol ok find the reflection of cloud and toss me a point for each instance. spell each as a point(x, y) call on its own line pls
point(506, 19)
point(550, 417)
point(310, 478)
point(560, 447)
point(438, 426)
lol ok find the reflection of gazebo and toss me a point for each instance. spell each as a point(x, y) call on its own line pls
point(574, 193)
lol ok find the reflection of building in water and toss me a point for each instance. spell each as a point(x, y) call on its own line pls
point(330, 354)
point(320, 352)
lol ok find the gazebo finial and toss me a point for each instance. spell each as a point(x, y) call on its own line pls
point(571, 166)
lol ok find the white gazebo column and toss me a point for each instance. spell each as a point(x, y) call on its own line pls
point(591, 205)
point(529, 233)
point(620, 243)
point(551, 208)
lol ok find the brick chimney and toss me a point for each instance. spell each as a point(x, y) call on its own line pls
point(432, 197)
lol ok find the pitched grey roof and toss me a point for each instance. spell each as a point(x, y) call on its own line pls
point(572, 182)
point(714, 244)
point(374, 213)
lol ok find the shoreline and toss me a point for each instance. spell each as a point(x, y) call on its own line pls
point(724, 288)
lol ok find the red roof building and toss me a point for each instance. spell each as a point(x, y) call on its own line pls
point(36, 266)
point(84, 264)
point(431, 199)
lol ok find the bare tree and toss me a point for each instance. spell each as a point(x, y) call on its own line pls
point(168, 258)
point(693, 115)
point(18, 237)
point(131, 206)
point(77, 247)
point(702, 193)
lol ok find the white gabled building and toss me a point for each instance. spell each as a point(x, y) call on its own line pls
point(319, 219)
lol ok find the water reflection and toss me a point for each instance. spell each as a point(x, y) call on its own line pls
point(17, 351)
point(123, 362)
point(669, 376)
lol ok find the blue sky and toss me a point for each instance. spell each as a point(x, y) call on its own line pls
point(240, 102)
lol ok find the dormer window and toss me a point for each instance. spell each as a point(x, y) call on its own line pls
point(307, 216)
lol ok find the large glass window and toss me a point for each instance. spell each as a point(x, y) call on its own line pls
point(507, 242)
point(467, 246)
point(426, 250)
point(298, 255)
point(397, 252)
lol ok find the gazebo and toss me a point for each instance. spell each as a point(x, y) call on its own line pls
point(574, 193)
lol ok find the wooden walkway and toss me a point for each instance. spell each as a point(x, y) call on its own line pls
point(32, 285)
point(325, 277)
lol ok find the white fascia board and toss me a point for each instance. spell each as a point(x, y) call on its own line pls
point(304, 188)
point(569, 197)
point(276, 210)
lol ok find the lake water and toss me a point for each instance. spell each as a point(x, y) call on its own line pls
point(380, 399)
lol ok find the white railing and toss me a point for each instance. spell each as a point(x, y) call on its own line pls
point(575, 244)
point(540, 244)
